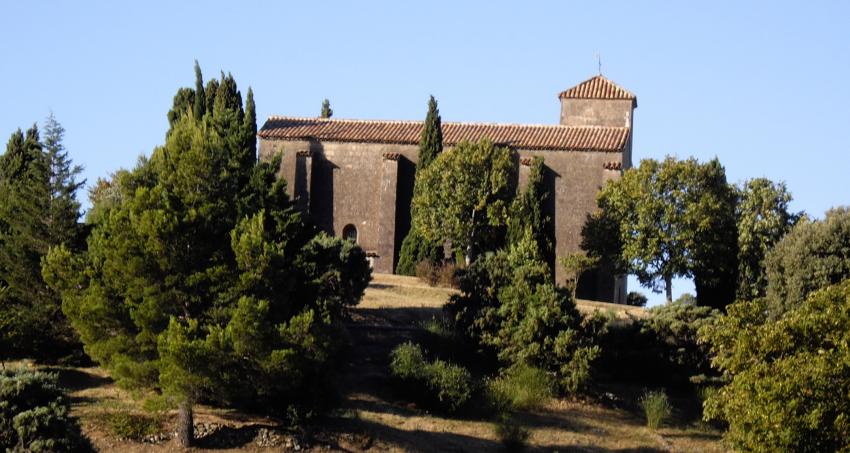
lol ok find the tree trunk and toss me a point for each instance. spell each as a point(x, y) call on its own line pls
point(185, 425)
point(668, 286)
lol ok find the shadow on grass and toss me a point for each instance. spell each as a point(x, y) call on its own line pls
point(75, 379)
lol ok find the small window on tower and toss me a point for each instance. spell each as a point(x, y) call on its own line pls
point(350, 233)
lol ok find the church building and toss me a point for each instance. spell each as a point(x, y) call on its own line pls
point(354, 178)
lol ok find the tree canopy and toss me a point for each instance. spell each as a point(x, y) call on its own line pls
point(673, 218)
point(38, 210)
point(763, 219)
point(788, 378)
point(464, 196)
point(201, 275)
point(415, 248)
point(812, 255)
point(326, 112)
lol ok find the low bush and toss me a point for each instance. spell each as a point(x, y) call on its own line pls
point(127, 425)
point(407, 361)
point(34, 414)
point(450, 383)
point(660, 349)
point(437, 274)
point(512, 433)
point(428, 272)
point(521, 387)
point(509, 307)
point(656, 408)
point(438, 383)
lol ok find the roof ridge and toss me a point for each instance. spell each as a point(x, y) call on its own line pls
point(598, 87)
point(418, 122)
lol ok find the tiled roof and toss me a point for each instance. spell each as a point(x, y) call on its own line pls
point(519, 136)
point(598, 87)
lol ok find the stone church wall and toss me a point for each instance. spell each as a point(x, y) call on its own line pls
point(370, 186)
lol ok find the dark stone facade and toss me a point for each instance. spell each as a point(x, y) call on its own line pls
point(367, 186)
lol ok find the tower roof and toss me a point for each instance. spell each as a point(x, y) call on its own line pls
point(598, 87)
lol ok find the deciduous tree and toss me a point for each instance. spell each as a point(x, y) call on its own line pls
point(763, 219)
point(463, 196)
point(812, 255)
point(674, 219)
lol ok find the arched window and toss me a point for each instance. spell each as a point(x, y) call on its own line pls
point(350, 233)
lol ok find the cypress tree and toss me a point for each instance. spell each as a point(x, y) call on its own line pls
point(431, 143)
point(528, 213)
point(251, 122)
point(415, 248)
point(200, 97)
point(327, 112)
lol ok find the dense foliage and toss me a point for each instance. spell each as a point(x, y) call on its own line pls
point(464, 195)
point(434, 382)
point(509, 305)
point(415, 248)
point(789, 378)
point(327, 111)
point(38, 210)
point(813, 255)
point(34, 414)
point(673, 218)
point(763, 219)
point(661, 348)
point(528, 212)
point(200, 274)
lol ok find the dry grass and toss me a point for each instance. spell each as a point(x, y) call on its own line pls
point(373, 418)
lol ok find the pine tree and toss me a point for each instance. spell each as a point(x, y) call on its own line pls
point(200, 97)
point(33, 219)
point(327, 112)
point(210, 91)
point(201, 276)
point(64, 209)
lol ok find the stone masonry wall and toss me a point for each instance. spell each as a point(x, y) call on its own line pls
point(353, 183)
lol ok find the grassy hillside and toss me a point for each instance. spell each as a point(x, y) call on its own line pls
point(373, 416)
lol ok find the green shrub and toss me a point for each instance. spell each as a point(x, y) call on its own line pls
point(661, 349)
point(656, 408)
point(34, 414)
point(407, 361)
point(414, 250)
point(509, 306)
point(521, 387)
point(512, 433)
point(126, 425)
point(814, 254)
point(450, 383)
point(789, 378)
point(437, 382)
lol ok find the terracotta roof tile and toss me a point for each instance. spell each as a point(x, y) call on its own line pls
point(519, 136)
point(598, 87)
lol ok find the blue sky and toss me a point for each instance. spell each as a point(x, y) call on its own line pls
point(764, 86)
